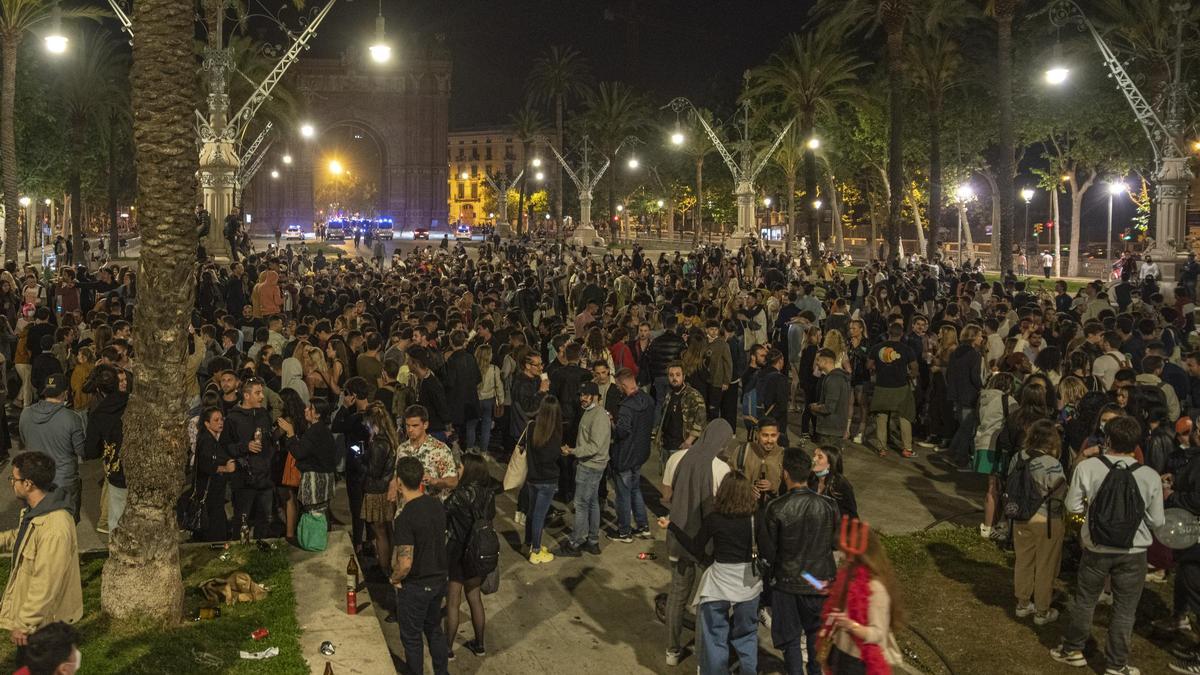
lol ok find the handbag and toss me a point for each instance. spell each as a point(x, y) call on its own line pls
point(291, 473)
point(312, 532)
point(518, 465)
point(314, 488)
point(491, 583)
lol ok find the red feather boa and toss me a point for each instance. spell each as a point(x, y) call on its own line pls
point(858, 602)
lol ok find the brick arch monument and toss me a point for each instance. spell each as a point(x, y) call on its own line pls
point(402, 107)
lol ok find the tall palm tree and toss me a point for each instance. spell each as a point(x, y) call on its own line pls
point(788, 158)
point(698, 146)
point(562, 72)
point(892, 16)
point(809, 77)
point(614, 111)
point(17, 18)
point(934, 64)
point(91, 88)
point(1003, 12)
point(527, 125)
point(141, 576)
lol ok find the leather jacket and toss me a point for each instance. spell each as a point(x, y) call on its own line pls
point(799, 534)
point(662, 351)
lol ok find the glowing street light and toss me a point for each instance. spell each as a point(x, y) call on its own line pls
point(814, 143)
point(536, 162)
point(308, 130)
point(539, 176)
point(677, 138)
point(56, 42)
point(620, 208)
point(47, 202)
point(1057, 75)
point(335, 167)
point(287, 159)
point(25, 202)
point(275, 174)
point(817, 204)
point(634, 163)
point(464, 175)
point(767, 202)
point(965, 192)
point(1117, 188)
point(1196, 146)
point(660, 203)
point(381, 51)
point(1027, 195)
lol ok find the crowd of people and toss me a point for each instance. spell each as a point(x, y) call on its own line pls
point(728, 385)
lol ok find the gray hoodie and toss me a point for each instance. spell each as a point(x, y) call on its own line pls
point(55, 430)
point(595, 434)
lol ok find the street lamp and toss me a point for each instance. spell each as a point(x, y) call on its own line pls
point(335, 167)
point(381, 51)
point(536, 162)
point(464, 175)
point(1027, 195)
point(964, 194)
point(620, 208)
point(677, 138)
point(1057, 75)
point(539, 176)
point(633, 162)
point(308, 130)
point(287, 159)
point(767, 202)
point(275, 174)
point(1115, 188)
point(24, 202)
point(814, 143)
point(660, 203)
point(817, 204)
point(56, 42)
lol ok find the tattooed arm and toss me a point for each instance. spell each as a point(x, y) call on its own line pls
point(402, 560)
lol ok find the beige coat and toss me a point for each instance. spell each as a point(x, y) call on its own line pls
point(43, 585)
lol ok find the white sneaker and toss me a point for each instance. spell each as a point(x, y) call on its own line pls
point(985, 531)
point(1123, 670)
point(857, 439)
point(1025, 610)
point(519, 518)
point(764, 617)
point(1050, 616)
point(1105, 598)
point(674, 657)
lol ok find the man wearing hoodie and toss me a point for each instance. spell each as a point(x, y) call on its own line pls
point(44, 584)
point(51, 427)
point(630, 450)
point(591, 451)
point(252, 445)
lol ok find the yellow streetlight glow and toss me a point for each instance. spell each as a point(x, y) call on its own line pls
point(677, 138)
point(47, 202)
point(308, 130)
point(287, 159)
point(56, 43)
point(24, 201)
point(1057, 75)
point(634, 163)
point(335, 167)
point(464, 175)
point(814, 143)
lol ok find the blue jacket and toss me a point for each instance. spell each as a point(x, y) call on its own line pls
point(631, 436)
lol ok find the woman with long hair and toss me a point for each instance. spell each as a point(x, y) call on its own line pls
point(868, 616)
point(996, 402)
point(379, 460)
point(807, 380)
point(695, 360)
point(595, 349)
point(827, 479)
point(941, 412)
point(491, 393)
point(316, 374)
point(543, 447)
point(471, 502)
point(857, 356)
point(293, 412)
point(730, 584)
point(1034, 403)
point(213, 464)
point(1037, 542)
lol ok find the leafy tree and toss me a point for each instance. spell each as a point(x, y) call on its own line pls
point(559, 74)
point(612, 112)
point(527, 125)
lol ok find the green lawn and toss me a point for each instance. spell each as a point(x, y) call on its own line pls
point(132, 648)
point(957, 592)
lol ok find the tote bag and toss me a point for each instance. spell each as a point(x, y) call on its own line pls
point(518, 466)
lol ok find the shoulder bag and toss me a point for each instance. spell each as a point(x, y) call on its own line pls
point(518, 464)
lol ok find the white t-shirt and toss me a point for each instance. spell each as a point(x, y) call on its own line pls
point(719, 470)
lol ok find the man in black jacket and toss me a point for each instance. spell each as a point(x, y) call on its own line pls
point(462, 389)
point(253, 448)
point(797, 536)
point(773, 393)
point(662, 352)
point(964, 381)
point(348, 421)
point(430, 392)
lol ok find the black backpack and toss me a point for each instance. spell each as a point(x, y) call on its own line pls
point(1116, 513)
point(1021, 500)
point(482, 553)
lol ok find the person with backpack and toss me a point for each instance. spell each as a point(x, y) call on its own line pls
point(1036, 485)
point(1034, 405)
point(1123, 501)
point(472, 548)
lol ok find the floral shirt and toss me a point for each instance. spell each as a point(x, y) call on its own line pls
point(437, 459)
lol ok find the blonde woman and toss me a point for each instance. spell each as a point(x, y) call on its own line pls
point(836, 342)
point(316, 375)
point(491, 393)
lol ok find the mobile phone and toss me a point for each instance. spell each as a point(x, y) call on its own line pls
point(813, 581)
point(356, 449)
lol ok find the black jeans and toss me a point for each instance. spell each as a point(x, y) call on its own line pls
point(419, 612)
point(1187, 588)
point(356, 475)
point(791, 615)
point(254, 505)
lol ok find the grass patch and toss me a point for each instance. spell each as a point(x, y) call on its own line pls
point(133, 648)
point(957, 592)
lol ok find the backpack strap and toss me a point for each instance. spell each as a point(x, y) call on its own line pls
point(740, 461)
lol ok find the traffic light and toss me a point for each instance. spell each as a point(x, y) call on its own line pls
point(1049, 224)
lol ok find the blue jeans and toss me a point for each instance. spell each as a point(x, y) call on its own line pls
point(794, 615)
point(587, 505)
point(964, 437)
point(1127, 573)
point(629, 498)
point(487, 407)
point(466, 434)
point(717, 633)
point(419, 612)
point(540, 495)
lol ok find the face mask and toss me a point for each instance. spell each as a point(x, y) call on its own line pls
point(822, 473)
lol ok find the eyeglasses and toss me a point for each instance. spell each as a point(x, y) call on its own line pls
point(14, 480)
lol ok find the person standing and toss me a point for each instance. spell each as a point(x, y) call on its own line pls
point(544, 446)
point(832, 410)
point(233, 232)
point(773, 391)
point(44, 584)
point(252, 446)
point(719, 364)
point(104, 437)
point(799, 535)
point(471, 503)
point(630, 450)
point(892, 404)
point(1047, 263)
point(1037, 542)
point(1123, 563)
point(419, 570)
point(462, 390)
point(591, 453)
point(51, 427)
point(683, 415)
point(213, 464)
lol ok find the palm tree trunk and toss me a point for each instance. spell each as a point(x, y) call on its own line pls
point(78, 130)
point(699, 201)
point(810, 193)
point(935, 179)
point(1004, 19)
point(8, 146)
point(995, 190)
point(968, 239)
point(791, 207)
point(558, 173)
point(895, 45)
point(916, 207)
point(113, 236)
point(835, 212)
point(141, 576)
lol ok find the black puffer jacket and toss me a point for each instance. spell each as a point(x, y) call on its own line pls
point(380, 460)
point(799, 534)
point(254, 470)
point(662, 351)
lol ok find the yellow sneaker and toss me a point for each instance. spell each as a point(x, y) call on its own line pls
point(547, 556)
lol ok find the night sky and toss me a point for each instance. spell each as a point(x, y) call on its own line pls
point(666, 48)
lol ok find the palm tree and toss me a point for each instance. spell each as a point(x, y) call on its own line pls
point(1003, 12)
point(141, 576)
point(18, 17)
point(809, 78)
point(527, 125)
point(560, 73)
point(699, 147)
point(789, 156)
point(91, 89)
point(934, 63)
point(613, 113)
point(893, 17)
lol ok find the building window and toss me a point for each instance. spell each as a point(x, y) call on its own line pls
point(488, 169)
point(475, 154)
point(460, 191)
point(474, 170)
point(461, 154)
point(508, 171)
point(487, 152)
point(474, 190)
